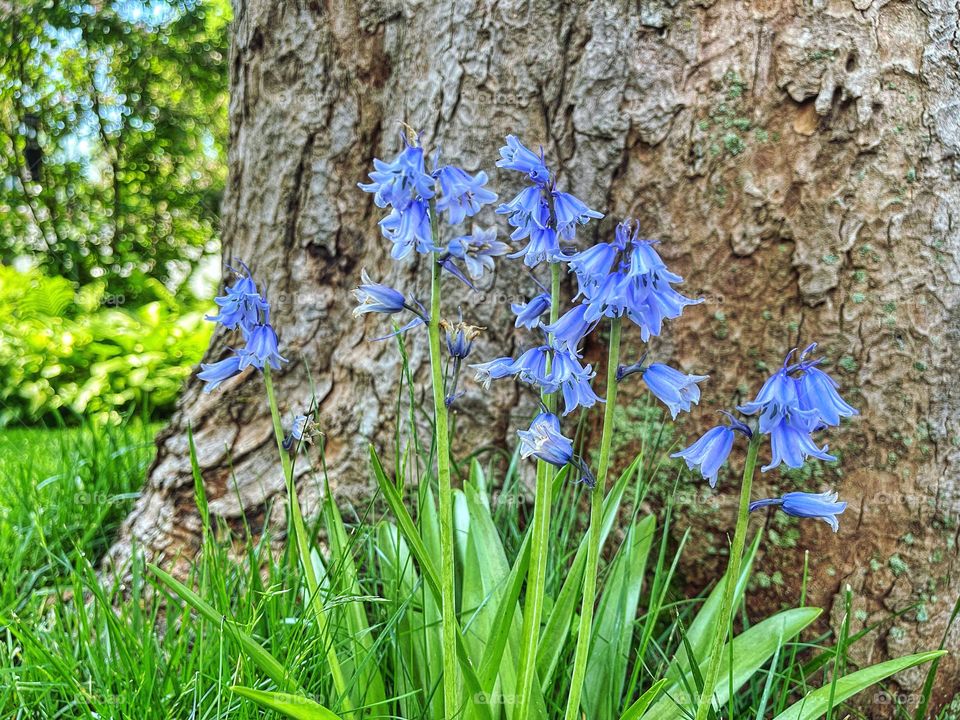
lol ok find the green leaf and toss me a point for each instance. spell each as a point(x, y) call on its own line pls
point(293, 706)
point(370, 682)
point(427, 567)
point(750, 650)
point(637, 710)
point(486, 576)
point(815, 704)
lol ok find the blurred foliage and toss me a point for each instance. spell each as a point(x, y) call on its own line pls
point(112, 132)
point(65, 354)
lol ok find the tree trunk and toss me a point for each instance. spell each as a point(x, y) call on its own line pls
point(799, 161)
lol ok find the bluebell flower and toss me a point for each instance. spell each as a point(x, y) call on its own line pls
point(215, 373)
point(531, 367)
point(401, 182)
point(495, 369)
point(529, 313)
point(461, 194)
point(569, 212)
point(676, 390)
point(377, 298)
point(545, 442)
point(628, 277)
point(573, 380)
point(515, 156)
point(607, 299)
point(526, 212)
point(777, 396)
point(478, 250)
point(592, 266)
point(818, 391)
point(409, 229)
point(709, 453)
point(649, 300)
point(241, 305)
point(262, 348)
point(570, 329)
point(823, 506)
point(460, 338)
point(645, 260)
point(797, 400)
point(542, 247)
point(790, 441)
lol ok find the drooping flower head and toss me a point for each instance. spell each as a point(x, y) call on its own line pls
point(709, 453)
point(549, 369)
point(570, 329)
point(515, 156)
point(213, 374)
point(822, 506)
point(402, 181)
point(262, 348)
point(406, 187)
point(676, 390)
point(529, 313)
point(241, 305)
point(377, 298)
point(573, 379)
point(791, 406)
point(243, 308)
point(795, 402)
point(477, 250)
point(461, 194)
point(628, 277)
point(540, 211)
point(570, 212)
point(544, 441)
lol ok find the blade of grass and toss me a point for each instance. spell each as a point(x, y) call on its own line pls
point(293, 706)
point(816, 703)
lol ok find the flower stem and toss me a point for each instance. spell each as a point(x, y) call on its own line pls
point(596, 520)
point(447, 607)
point(303, 550)
point(732, 577)
point(539, 544)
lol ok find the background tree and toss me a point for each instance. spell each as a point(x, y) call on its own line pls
point(799, 160)
point(112, 124)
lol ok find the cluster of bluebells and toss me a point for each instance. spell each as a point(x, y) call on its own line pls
point(796, 402)
point(243, 308)
point(625, 277)
point(418, 199)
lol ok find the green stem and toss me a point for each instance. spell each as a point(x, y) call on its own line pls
point(303, 549)
point(593, 540)
point(447, 607)
point(732, 577)
point(539, 545)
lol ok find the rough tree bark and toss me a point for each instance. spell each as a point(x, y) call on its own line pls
point(799, 160)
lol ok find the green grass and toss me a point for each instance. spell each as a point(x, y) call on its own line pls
point(74, 645)
point(62, 494)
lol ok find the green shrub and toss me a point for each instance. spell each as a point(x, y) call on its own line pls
point(80, 352)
